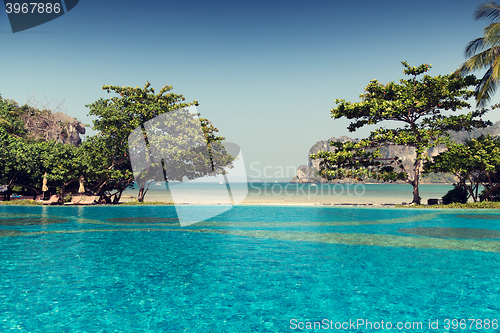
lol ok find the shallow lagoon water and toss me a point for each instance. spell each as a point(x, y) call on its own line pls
point(288, 193)
point(251, 269)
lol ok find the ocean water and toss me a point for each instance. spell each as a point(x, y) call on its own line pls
point(250, 269)
point(272, 192)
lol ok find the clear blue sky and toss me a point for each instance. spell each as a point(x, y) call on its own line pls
point(266, 73)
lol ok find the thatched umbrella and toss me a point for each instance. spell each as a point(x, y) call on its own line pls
point(44, 183)
point(81, 189)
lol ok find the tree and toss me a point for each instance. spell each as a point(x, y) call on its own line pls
point(103, 175)
point(484, 53)
point(104, 159)
point(119, 116)
point(12, 153)
point(21, 162)
point(24, 161)
point(4, 122)
point(10, 118)
point(419, 105)
point(63, 163)
point(477, 162)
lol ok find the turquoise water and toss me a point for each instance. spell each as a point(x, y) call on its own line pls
point(251, 269)
point(269, 191)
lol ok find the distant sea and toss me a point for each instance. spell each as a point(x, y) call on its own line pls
point(287, 193)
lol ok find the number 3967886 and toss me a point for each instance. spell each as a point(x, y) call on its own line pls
point(33, 7)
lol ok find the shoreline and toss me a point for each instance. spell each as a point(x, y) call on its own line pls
point(485, 205)
point(392, 195)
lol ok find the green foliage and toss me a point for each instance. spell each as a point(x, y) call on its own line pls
point(24, 163)
point(477, 162)
point(10, 119)
point(19, 159)
point(447, 178)
point(21, 203)
point(412, 101)
point(353, 160)
point(420, 106)
point(484, 53)
point(468, 205)
point(490, 194)
point(103, 160)
point(458, 194)
point(119, 116)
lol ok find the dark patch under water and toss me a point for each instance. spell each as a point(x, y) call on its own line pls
point(32, 221)
point(479, 217)
point(7, 233)
point(469, 233)
point(143, 219)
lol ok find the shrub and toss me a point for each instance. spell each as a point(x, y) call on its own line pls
point(456, 195)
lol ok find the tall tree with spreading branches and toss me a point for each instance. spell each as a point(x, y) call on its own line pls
point(120, 115)
point(419, 105)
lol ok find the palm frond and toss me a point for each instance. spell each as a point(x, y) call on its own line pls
point(484, 89)
point(491, 35)
point(489, 10)
point(474, 46)
point(481, 60)
point(488, 84)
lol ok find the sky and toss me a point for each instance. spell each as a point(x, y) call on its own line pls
point(266, 73)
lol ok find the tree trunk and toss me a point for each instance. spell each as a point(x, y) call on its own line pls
point(117, 197)
point(8, 194)
point(142, 192)
point(414, 183)
point(488, 193)
point(63, 189)
point(416, 194)
point(470, 190)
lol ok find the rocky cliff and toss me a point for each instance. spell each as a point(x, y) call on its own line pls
point(53, 126)
point(309, 173)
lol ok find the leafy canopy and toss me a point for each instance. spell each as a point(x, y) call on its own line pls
point(127, 111)
point(477, 162)
point(419, 106)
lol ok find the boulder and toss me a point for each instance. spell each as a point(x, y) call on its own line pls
point(57, 126)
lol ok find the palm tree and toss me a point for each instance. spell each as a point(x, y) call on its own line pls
point(484, 53)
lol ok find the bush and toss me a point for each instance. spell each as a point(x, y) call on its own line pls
point(494, 196)
point(456, 195)
point(20, 202)
point(468, 205)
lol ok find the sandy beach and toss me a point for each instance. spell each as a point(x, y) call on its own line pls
point(278, 201)
point(285, 194)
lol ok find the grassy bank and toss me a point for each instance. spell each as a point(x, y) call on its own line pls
point(37, 203)
point(469, 205)
point(133, 203)
point(26, 202)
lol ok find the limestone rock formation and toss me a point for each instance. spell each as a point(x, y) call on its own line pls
point(309, 173)
point(53, 126)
